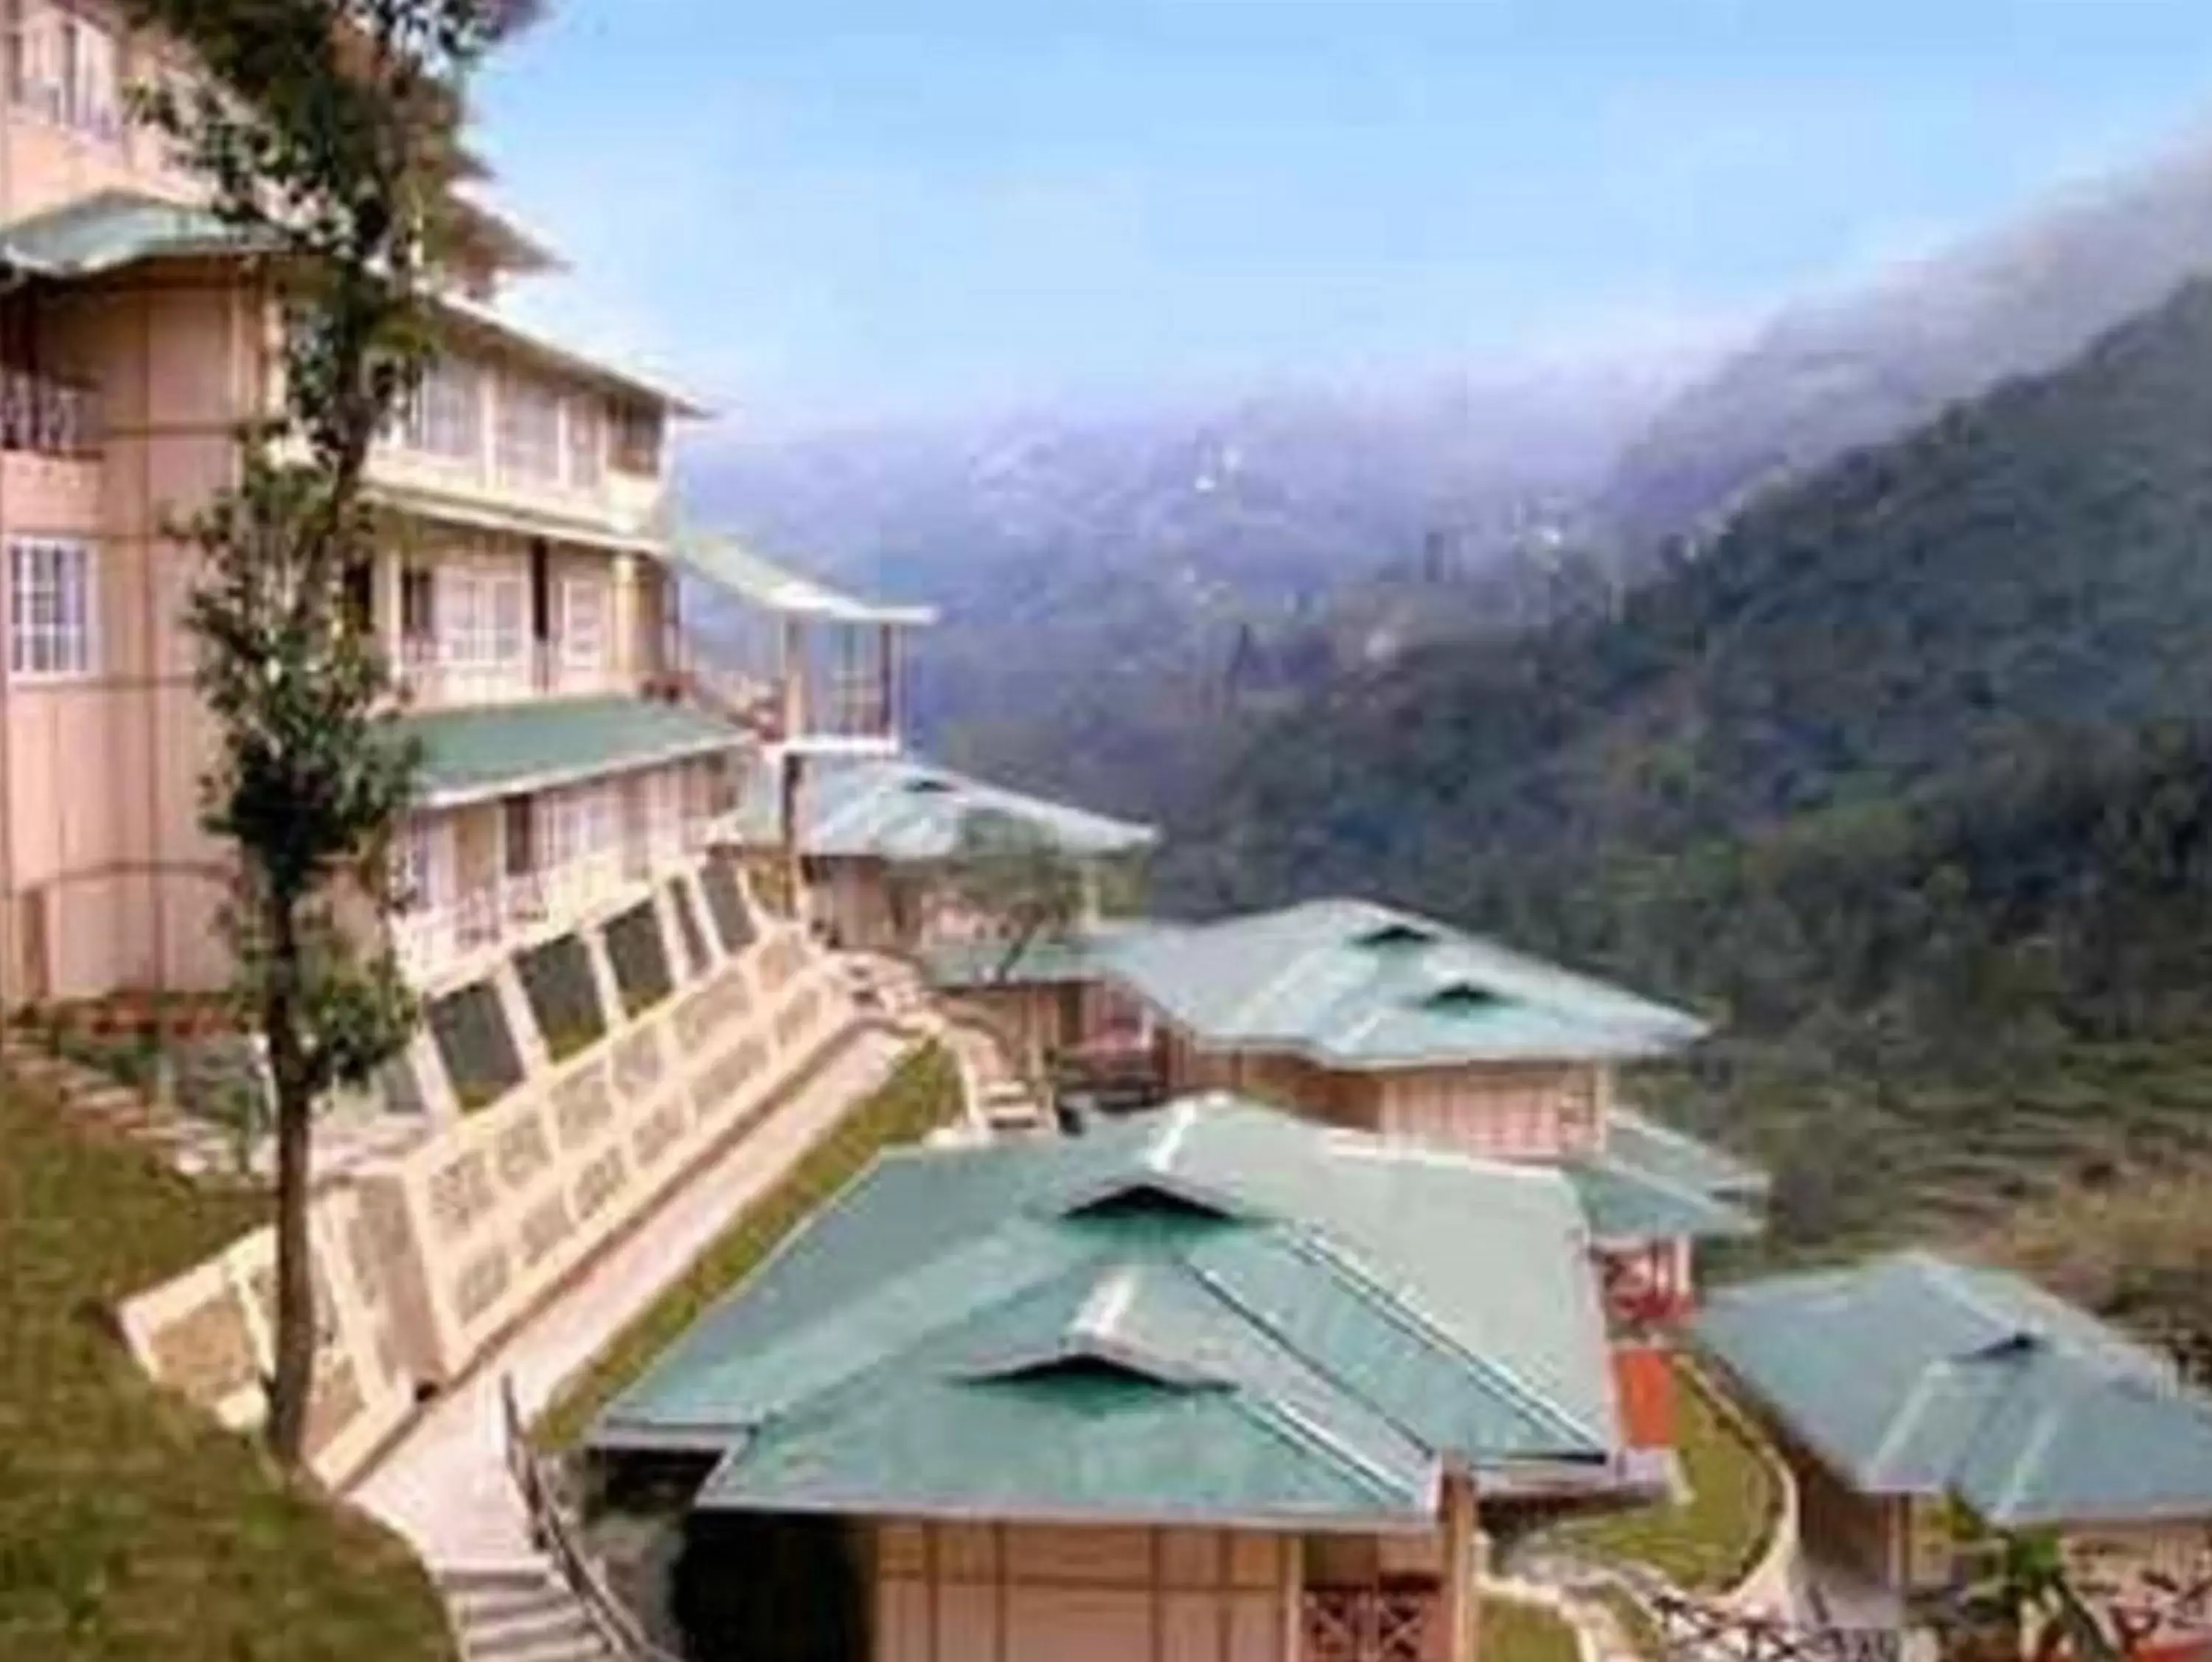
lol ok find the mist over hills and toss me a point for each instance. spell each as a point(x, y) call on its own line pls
point(1126, 594)
point(1101, 578)
point(1825, 378)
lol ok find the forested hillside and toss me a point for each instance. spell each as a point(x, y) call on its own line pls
point(1899, 778)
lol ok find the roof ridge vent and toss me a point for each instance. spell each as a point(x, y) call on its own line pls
point(1461, 994)
point(1396, 935)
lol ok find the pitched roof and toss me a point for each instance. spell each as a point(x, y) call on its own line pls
point(1213, 1312)
point(487, 751)
point(1351, 984)
point(1047, 960)
point(1676, 1157)
point(91, 235)
point(899, 810)
point(1915, 1375)
point(109, 229)
point(729, 565)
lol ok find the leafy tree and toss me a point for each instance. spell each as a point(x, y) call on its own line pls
point(328, 131)
point(1004, 869)
point(2027, 1605)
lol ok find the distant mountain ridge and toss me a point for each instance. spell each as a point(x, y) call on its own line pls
point(1825, 379)
point(1102, 580)
point(1906, 776)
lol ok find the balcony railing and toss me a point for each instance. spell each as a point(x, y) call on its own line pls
point(431, 674)
point(432, 938)
point(47, 417)
point(1372, 1624)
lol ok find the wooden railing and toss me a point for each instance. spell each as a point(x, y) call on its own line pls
point(554, 1533)
point(1369, 1624)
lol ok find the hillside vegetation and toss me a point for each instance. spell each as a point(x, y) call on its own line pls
point(132, 1528)
point(1900, 779)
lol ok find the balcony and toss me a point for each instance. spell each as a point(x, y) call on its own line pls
point(434, 939)
point(50, 445)
point(432, 674)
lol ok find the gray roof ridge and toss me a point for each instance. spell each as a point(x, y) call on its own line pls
point(1410, 1317)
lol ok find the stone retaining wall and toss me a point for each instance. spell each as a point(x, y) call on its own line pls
point(423, 1260)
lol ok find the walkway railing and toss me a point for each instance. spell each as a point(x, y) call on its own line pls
point(554, 1533)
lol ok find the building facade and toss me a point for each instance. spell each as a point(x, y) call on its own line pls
point(525, 566)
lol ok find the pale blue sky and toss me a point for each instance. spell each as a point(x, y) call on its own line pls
point(817, 210)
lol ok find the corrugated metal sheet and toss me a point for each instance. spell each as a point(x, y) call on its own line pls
point(1351, 984)
point(1915, 1375)
point(1214, 1311)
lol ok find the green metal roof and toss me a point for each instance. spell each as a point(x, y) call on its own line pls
point(729, 565)
point(952, 966)
point(488, 750)
point(1625, 1203)
point(909, 811)
point(1350, 984)
point(1677, 1158)
point(1211, 1313)
point(1915, 1375)
point(111, 230)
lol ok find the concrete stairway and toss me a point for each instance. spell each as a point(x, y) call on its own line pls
point(520, 1614)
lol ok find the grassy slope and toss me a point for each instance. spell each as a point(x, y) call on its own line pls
point(1712, 1538)
point(132, 1527)
point(923, 1093)
point(1516, 1632)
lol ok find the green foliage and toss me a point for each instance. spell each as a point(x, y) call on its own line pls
point(132, 1527)
point(1899, 778)
point(2026, 1605)
point(922, 1095)
point(329, 130)
point(1005, 869)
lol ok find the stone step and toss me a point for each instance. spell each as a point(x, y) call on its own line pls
point(560, 1631)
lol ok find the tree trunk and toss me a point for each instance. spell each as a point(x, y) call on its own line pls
point(292, 1383)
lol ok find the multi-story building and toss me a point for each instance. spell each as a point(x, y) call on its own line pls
point(526, 593)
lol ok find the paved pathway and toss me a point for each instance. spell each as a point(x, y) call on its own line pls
point(445, 1487)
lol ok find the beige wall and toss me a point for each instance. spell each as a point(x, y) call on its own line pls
point(426, 1258)
point(46, 161)
point(1535, 1111)
point(1016, 1592)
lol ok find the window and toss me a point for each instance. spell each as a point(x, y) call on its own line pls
point(445, 415)
point(425, 872)
point(22, 67)
point(87, 77)
point(588, 443)
point(637, 439)
point(529, 431)
point(51, 612)
point(483, 615)
point(418, 611)
point(583, 623)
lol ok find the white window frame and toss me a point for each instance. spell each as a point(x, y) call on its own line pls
point(444, 416)
point(587, 442)
point(584, 607)
point(426, 865)
point(527, 444)
point(483, 617)
point(91, 76)
point(53, 609)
